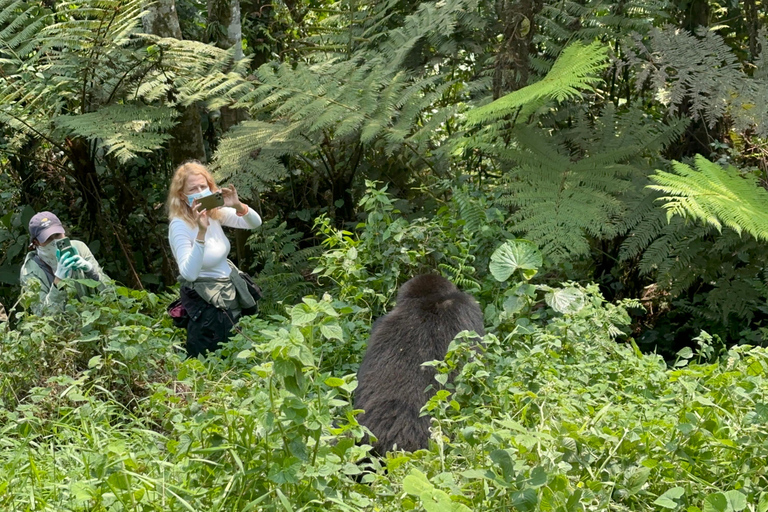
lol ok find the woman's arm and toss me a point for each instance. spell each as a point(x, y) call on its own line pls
point(186, 249)
point(235, 214)
point(229, 218)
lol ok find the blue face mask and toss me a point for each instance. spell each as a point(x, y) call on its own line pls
point(205, 192)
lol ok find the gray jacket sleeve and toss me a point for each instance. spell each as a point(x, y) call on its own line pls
point(50, 299)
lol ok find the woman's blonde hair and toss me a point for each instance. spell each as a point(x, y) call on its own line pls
point(177, 199)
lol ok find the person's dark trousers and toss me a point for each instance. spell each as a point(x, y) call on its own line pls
point(208, 326)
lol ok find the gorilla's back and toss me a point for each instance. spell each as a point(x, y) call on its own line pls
point(430, 311)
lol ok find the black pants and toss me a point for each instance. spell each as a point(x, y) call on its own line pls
point(208, 326)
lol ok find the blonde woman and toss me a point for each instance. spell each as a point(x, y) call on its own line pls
point(212, 291)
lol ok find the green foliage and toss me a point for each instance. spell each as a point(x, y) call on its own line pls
point(561, 22)
point(362, 105)
point(121, 129)
point(19, 22)
point(105, 340)
point(714, 196)
point(702, 74)
point(578, 185)
point(710, 280)
point(13, 239)
point(368, 267)
point(574, 71)
point(88, 74)
point(707, 277)
point(558, 410)
point(283, 265)
point(579, 418)
point(515, 255)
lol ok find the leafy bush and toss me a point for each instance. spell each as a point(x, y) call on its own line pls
point(557, 411)
point(117, 340)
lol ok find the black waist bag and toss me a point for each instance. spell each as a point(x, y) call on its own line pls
point(254, 290)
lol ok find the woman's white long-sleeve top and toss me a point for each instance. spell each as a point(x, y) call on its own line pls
point(209, 259)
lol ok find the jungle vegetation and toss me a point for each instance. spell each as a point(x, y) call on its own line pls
point(593, 172)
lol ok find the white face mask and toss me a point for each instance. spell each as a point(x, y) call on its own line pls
point(204, 193)
point(48, 254)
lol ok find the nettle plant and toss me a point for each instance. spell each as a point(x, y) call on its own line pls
point(368, 266)
point(271, 425)
point(117, 340)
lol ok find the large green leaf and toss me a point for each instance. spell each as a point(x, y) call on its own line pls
point(9, 274)
point(667, 500)
point(416, 483)
point(565, 300)
point(514, 255)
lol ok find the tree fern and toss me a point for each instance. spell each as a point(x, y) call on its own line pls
point(565, 189)
point(122, 130)
point(282, 264)
point(715, 274)
point(193, 72)
point(574, 71)
point(331, 115)
point(703, 73)
point(88, 72)
point(563, 21)
point(20, 21)
point(472, 210)
point(714, 196)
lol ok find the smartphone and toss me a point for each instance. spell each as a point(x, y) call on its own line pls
point(210, 202)
point(65, 247)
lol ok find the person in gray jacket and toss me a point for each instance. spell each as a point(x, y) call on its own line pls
point(48, 266)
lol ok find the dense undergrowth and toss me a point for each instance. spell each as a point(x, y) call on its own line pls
point(560, 411)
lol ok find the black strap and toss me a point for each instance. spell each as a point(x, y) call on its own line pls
point(46, 268)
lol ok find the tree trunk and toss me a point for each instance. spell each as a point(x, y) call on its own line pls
point(225, 31)
point(696, 15)
point(161, 19)
point(187, 142)
point(753, 27)
point(261, 14)
point(512, 62)
point(111, 236)
point(697, 136)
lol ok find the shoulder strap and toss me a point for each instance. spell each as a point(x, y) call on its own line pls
point(46, 268)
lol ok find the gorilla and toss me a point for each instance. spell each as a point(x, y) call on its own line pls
point(392, 384)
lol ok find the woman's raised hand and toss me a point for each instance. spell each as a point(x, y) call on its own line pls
point(230, 197)
point(201, 216)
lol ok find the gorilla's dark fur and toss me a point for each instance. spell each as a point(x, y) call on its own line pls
point(430, 311)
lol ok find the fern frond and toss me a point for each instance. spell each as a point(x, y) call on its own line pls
point(281, 264)
point(714, 196)
point(702, 72)
point(574, 71)
point(124, 130)
point(564, 189)
point(471, 211)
